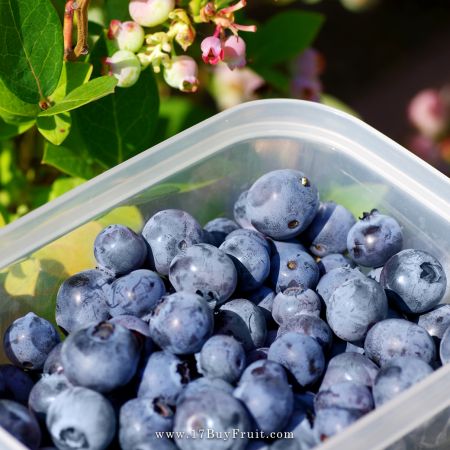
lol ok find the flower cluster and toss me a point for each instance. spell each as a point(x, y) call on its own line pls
point(159, 30)
point(429, 113)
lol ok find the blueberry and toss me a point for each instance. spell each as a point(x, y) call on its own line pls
point(444, 350)
point(436, 321)
point(214, 410)
point(181, 323)
point(374, 239)
point(251, 260)
point(293, 267)
point(354, 307)
point(257, 354)
point(44, 393)
point(119, 249)
point(346, 395)
point(221, 357)
point(165, 376)
point(332, 421)
point(350, 367)
point(53, 363)
point(299, 354)
point(397, 375)
point(398, 337)
point(82, 300)
point(204, 384)
point(334, 278)
point(263, 297)
point(328, 231)
point(168, 232)
point(269, 400)
point(140, 418)
point(20, 422)
point(136, 294)
point(205, 270)
point(100, 357)
point(415, 280)
point(282, 203)
point(333, 261)
point(263, 369)
point(218, 229)
point(309, 325)
point(28, 341)
point(300, 423)
point(243, 320)
point(294, 302)
point(253, 234)
point(16, 384)
point(240, 211)
point(80, 418)
point(132, 323)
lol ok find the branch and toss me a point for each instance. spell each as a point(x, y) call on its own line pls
point(80, 7)
point(67, 31)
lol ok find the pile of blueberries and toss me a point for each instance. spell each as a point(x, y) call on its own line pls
point(275, 330)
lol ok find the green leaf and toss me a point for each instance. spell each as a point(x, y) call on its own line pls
point(10, 130)
point(117, 9)
point(13, 110)
point(123, 124)
point(63, 185)
point(283, 37)
point(275, 78)
point(130, 216)
point(82, 95)
point(73, 74)
point(55, 128)
point(31, 48)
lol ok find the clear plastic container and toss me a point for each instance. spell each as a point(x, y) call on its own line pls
point(203, 170)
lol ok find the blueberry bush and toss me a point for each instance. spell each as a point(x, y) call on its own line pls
point(87, 84)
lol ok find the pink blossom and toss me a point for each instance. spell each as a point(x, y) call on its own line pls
point(182, 74)
point(234, 52)
point(212, 50)
point(310, 63)
point(306, 88)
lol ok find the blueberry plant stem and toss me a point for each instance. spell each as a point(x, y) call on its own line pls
point(80, 7)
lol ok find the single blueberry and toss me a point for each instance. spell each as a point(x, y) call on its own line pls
point(102, 357)
point(79, 418)
point(140, 418)
point(82, 300)
point(136, 294)
point(333, 261)
point(53, 363)
point(221, 357)
point(346, 395)
point(332, 421)
point(218, 229)
point(255, 235)
point(263, 369)
point(181, 323)
point(21, 423)
point(374, 239)
point(398, 337)
point(328, 231)
point(16, 383)
point(350, 367)
point(334, 278)
point(294, 302)
point(301, 355)
point(436, 321)
point(44, 393)
point(210, 410)
point(204, 384)
point(354, 307)
point(205, 270)
point(243, 320)
point(293, 267)
point(119, 249)
point(167, 233)
point(397, 375)
point(28, 341)
point(251, 260)
point(240, 211)
point(165, 376)
point(282, 203)
point(414, 280)
point(444, 349)
point(269, 400)
point(309, 325)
